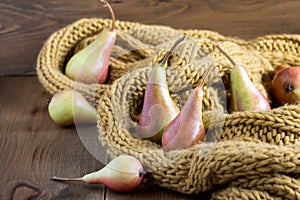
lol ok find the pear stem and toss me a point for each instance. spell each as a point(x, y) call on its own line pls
point(106, 4)
point(205, 75)
point(66, 179)
point(142, 173)
point(225, 54)
point(167, 55)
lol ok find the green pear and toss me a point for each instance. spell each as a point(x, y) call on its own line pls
point(158, 107)
point(244, 96)
point(90, 65)
point(69, 106)
point(123, 174)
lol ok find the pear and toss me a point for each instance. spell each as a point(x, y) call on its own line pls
point(122, 174)
point(90, 65)
point(158, 107)
point(69, 105)
point(286, 84)
point(244, 96)
point(187, 128)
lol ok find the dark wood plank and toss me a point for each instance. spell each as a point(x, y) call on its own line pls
point(147, 192)
point(34, 148)
point(25, 25)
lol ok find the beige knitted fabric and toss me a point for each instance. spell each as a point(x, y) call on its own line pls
point(254, 155)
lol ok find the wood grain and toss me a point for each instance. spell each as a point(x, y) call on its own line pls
point(25, 25)
point(34, 149)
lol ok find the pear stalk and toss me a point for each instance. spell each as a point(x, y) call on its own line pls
point(225, 54)
point(55, 178)
point(168, 54)
point(205, 76)
point(106, 4)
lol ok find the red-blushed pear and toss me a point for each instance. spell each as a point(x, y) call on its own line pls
point(158, 107)
point(244, 96)
point(187, 128)
point(68, 106)
point(286, 84)
point(90, 65)
point(122, 174)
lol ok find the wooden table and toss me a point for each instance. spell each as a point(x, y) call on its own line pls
point(33, 148)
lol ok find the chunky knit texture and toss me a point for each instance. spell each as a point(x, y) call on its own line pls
point(250, 155)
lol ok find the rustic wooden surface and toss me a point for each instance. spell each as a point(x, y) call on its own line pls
point(33, 148)
point(24, 25)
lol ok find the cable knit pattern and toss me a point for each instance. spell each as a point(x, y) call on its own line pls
point(250, 155)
